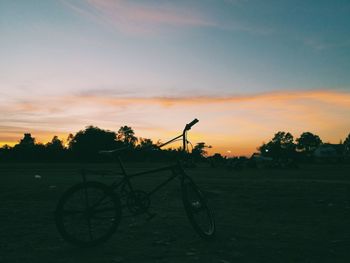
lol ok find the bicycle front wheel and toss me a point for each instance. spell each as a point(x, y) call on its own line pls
point(88, 214)
point(197, 210)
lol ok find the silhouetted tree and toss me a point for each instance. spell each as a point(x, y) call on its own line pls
point(25, 149)
point(5, 152)
point(55, 149)
point(85, 144)
point(55, 145)
point(216, 160)
point(146, 150)
point(308, 142)
point(145, 143)
point(39, 153)
point(199, 150)
point(127, 135)
point(218, 156)
point(6, 147)
point(70, 138)
point(346, 144)
point(280, 147)
point(27, 140)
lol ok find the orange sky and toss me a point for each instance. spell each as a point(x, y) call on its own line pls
point(157, 65)
point(233, 125)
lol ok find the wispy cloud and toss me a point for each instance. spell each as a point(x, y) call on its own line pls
point(238, 122)
point(137, 17)
point(320, 96)
point(113, 92)
point(55, 104)
point(143, 18)
point(320, 45)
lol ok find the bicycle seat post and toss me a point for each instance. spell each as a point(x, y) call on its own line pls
point(121, 166)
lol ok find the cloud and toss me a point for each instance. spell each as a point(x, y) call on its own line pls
point(137, 17)
point(120, 92)
point(321, 96)
point(240, 122)
point(321, 45)
point(143, 18)
point(112, 99)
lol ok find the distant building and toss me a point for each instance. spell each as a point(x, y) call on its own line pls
point(329, 152)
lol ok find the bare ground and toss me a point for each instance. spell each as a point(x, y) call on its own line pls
point(262, 216)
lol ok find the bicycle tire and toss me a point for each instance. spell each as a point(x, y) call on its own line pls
point(199, 214)
point(88, 214)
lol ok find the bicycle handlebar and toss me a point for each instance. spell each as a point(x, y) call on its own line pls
point(189, 125)
point(183, 135)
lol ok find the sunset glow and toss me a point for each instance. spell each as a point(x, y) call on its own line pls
point(155, 66)
point(239, 123)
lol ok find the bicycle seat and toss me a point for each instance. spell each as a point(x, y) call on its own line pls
point(110, 152)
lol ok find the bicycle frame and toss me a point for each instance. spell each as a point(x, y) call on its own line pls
point(105, 208)
point(176, 169)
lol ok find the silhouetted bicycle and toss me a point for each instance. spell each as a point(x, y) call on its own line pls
point(89, 213)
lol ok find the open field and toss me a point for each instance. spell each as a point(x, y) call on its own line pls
point(262, 216)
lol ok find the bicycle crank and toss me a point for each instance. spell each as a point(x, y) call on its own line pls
point(138, 202)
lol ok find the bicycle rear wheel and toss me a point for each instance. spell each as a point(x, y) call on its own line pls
point(88, 214)
point(197, 210)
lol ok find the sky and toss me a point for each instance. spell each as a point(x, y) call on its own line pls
point(245, 68)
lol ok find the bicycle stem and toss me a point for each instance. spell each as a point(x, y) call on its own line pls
point(174, 139)
point(184, 140)
point(183, 135)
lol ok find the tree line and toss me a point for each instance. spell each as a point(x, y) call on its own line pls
point(86, 144)
point(283, 146)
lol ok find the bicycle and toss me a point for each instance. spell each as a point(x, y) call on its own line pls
point(88, 213)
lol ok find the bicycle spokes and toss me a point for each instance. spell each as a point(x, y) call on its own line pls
point(88, 214)
point(196, 208)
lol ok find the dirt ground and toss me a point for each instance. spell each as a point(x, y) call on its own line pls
point(300, 215)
